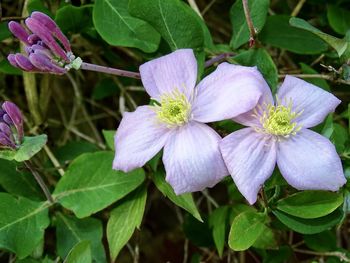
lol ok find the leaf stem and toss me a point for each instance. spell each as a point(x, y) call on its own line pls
point(338, 254)
point(250, 24)
point(218, 58)
point(40, 181)
point(108, 70)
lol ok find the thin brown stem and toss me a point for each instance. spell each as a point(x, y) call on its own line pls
point(112, 71)
point(337, 254)
point(218, 59)
point(250, 24)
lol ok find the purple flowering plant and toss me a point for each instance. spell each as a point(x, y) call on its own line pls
point(165, 107)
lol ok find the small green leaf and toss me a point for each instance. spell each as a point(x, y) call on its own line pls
point(310, 204)
point(245, 230)
point(118, 28)
point(278, 33)
point(4, 31)
point(339, 19)
point(7, 68)
point(175, 21)
point(80, 253)
point(309, 226)
point(109, 138)
point(124, 219)
point(325, 241)
point(258, 12)
point(71, 231)
point(90, 184)
point(74, 19)
point(22, 224)
point(266, 240)
point(340, 45)
point(217, 221)
point(185, 200)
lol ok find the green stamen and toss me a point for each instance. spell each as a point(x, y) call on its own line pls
point(174, 109)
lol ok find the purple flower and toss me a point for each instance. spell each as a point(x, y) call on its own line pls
point(11, 126)
point(47, 48)
point(278, 132)
point(191, 155)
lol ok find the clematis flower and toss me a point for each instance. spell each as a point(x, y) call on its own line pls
point(191, 155)
point(11, 125)
point(47, 48)
point(278, 133)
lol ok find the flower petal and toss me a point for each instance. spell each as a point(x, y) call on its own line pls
point(177, 70)
point(315, 102)
point(250, 158)
point(138, 138)
point(192, 158)
point(227, 92)
point(309, 161)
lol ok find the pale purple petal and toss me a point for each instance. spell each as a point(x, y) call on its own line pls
point(18, 31)
point(139, 137)
point(315, 102)
point(177, 70)
point(192, 158)
point(24, 63)
point(250, 158)
point(16, 117)
point(45, 64)
point(227, 92)
point(12, 59)
point(309, 161)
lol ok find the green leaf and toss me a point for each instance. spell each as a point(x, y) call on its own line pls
point(90, 184)
point(71, 231)
point(22, 224)
point(74, 19)
point(338, 18)
point(17, 182)
point(310, 204)
point(4, 31)
point(105, 88)
point(117, 27)
point(266, 240)
point(73, 149)
point(339, 45)
point(7, 68)
point(80, 253)
point(124, 219)
point(325, 241)
point(38, 5)
point(185, 200)
point(175, 21)
point(316, 81)
point(217, 221)
point(309, 226)
point(258, 12)
point(199, 233)
point(109, 138)
point(278, 33)
point(245, 230)
point(261, 59)
point(30, 146)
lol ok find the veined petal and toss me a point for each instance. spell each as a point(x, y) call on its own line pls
point(227, 92)
point(18, 31)
point(309, 161)
point(24, 63)
point(139, 137)
point(314, 102)
point(192, 158)
point(177, 70)
point(250, 158)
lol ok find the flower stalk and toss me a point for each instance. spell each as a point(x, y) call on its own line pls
point(250, 24)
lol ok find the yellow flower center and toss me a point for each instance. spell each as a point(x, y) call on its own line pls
point(278, 119)
point(174, 109)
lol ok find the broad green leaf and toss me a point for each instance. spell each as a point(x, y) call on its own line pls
point(118, 28)
point(261, 59)
point(278, 33)
point(185, 200)
point(71, 231)
point(74, 19)
point(22, 224)
point(245, 230)
point(4, 31)
point(340, 45)
point(72, 150)
point(90, 184)
point(199, 233)
point(258, 12)
point(238, 209)
point(7, 68)
point(217, 221)
point(310, 204)
point(309, 226)
point(124, 219)
point(325, 241)
point(322, 83)
point(18, 182)
point(30, 146)
point(175, 21)
point(266, 240)
point(109, 138)
point(38, 5)
point(105, 88)
point(80, 253)
point(338, 18)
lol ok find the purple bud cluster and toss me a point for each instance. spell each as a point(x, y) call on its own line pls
point(11, 126)
point(47, 48)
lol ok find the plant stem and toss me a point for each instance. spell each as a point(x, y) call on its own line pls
point(338, 254)
point(218, 58)
point(108, 70)
point(40, 181)
point(250, 24)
